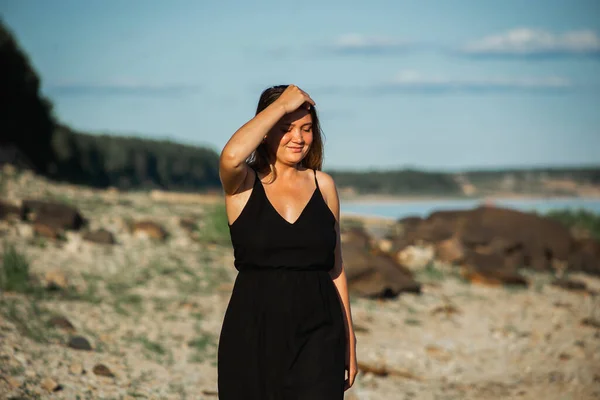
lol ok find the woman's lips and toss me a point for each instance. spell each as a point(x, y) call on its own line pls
point(296, 149)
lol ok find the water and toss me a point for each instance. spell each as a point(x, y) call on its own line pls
point(422, 208)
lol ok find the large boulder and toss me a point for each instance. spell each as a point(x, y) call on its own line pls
point(370, 272)
point(524, 239)
point(539, 239)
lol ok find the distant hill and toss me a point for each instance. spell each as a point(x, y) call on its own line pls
point(534, 181)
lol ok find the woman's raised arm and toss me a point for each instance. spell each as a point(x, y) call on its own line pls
point(232, 161)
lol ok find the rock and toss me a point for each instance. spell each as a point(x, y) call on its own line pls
point(410, 222)
point(380, 369)
point(149, 229)
point(25, 231)
point(446, 309)
point(570, 284)
point(9, 211)
point(101, 236)
point(449, 251)
point(438, 353)
point(540, 238)
point(370, 272)
point(56, 280)
point(385, 245)
point(489, 269)
point(189, 224)
point(440, 225)
point(591, 322)
point(102, 370)
point(55, 215)
point(62, 323)
point(13, 382)
point(76, 369)
point(79, 343)
point(50, 385)
point(524, 239)
point(47, 231)
point(586, 257)
point(415, 257)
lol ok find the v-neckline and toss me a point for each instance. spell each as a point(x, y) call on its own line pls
point(277, 212)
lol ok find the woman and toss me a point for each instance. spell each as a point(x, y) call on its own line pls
point(287, 332)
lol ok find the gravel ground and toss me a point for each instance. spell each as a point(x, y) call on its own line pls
point(151, 313)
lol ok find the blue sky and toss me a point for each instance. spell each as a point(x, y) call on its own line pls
point(432, 85)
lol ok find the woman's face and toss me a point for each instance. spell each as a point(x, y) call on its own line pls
point(291, 137)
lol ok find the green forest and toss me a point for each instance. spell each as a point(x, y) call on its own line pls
point(32, 136)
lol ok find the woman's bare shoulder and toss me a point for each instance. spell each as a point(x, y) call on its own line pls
point(327, 186)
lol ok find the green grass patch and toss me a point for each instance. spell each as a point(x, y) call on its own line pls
point(204, 348)
point(412, 321)
point(580, 219)
point(14, 273)
point(29, 318)
point(214, 226)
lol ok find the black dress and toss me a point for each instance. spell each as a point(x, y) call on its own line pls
point(283, 335)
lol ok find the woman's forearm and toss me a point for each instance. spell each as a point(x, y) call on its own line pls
point(247, 138)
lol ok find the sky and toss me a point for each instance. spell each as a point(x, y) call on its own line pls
point(434, 85)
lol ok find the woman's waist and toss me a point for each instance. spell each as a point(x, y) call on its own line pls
point(254, 267)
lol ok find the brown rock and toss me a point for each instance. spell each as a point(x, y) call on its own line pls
point(56, 279)
point(564, 356)
point(438, 353)
point(62, 323)
point(450, 251)
point(541, 239)
point(446, 309)
point(570, 284)
point(524, 239)
point(150, 229)
point(79, 343)
point(50, 385)
point(76, 369)
point(380, 369)
point(9, 211)
point(189, 224)
point(101, 236)
point(52, 214)
point(47, 231)
point(490, 269)
point(591, 322)
point(371, 273)
point(586, 257)
point(102, 370)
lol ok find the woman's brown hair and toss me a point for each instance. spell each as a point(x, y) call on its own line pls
point(260, 158)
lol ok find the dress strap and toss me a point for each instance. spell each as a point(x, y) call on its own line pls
point(316, 183)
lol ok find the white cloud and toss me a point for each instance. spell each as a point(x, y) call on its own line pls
point(413, 81)
point(413, 78)
point(532, 42)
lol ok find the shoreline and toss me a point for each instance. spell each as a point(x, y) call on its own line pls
point(379, 198)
